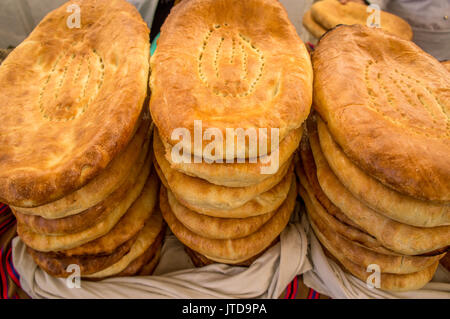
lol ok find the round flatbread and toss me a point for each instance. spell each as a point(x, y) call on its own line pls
point(100, 187)
point(55, 243)
point(392, 204)
point(330, 13)
point(312, 26)
point(150, 233)
point(361, 255)
point(196, 193)
point(398, 237)
point(127, 227)
point(93, 215)
point(57, 265)
point(235, 70)
point(70, 100)
point(388, 282)
point(214, 227)
point(238, 174)
point(394, 122)
point(232, 250)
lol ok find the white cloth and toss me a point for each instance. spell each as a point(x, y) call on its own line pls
point(329, 279)
point(175, 276)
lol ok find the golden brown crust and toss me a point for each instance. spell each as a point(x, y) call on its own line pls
point(79, 99)
point(394, 122)
point(199, 194)
point(136, 265)
point(447, 65)
point(236, 174)
point(315, 198)
point(101, 186)
point(235, 250)
point(398, 237)
point(200, 260)
point(42, 242)
point(312, 26)
point(214, 227)
point(128, 226)
point(260, 205)
point(402, 208)
point(330, 13)
point(388, 282)
point(145, 238)
point(243, 65)
point(57, 265)
point(361, 255)
point(149, 268)
point(306, 168)
point(78, 222)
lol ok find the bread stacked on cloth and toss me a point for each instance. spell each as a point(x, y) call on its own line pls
point(324, 15)
point(228, 64)
point(376, 160)
point(75, 163)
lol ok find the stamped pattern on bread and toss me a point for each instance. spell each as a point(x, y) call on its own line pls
point(413, 93)
point(223, 63)
point(83, 73)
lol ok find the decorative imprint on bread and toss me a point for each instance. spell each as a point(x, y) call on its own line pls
point(389, 90)
point(71, 85)
point(223, 62)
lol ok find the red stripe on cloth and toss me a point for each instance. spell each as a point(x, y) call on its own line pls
point(3, 209)
point(310, 294)
point(4, 280)
point(288, 292)
point(294, 294)
point(7, 225)
point(10, 268)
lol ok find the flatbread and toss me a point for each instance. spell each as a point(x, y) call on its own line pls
point(242, 66)
point(197, 193)
point(393, 123)
point(93, 215)
point(137, 264)
point(57, 265)
point(55, 243)
point(214, 227)
point(70, 100)
point(338, 226)
point(312, 26)
point(101, 186)
point(392, 204)
point(330, 13)
point(388, 282)
point(260, 205)
point(447, 65)
point(231, 250)
point(127, 227)
point(146, 237)
point(364, 256)
point(236, 174)
point(147, 270)
point(200, 260)
point(398, 237)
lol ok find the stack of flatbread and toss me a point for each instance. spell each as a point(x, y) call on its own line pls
point(326, 14)
point(75, 163)
point(228, 64)
point(376, 161)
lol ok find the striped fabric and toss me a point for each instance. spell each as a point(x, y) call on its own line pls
point(9, 278)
